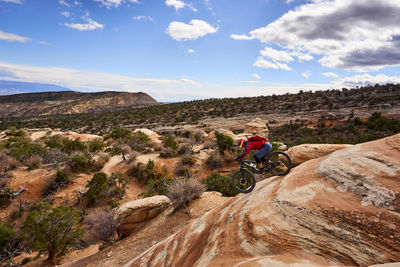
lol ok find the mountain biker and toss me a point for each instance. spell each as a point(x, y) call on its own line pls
point(255, 143)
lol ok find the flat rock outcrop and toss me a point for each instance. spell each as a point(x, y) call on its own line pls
point(131, 215)
point(304, 152)
point(342, 209)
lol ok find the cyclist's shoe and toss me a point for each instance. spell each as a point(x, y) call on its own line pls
point(261, 170)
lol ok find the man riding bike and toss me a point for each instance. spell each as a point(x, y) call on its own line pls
point(255, 143)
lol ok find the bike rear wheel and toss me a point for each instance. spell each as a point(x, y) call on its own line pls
point(279, 163)
point(243, 181)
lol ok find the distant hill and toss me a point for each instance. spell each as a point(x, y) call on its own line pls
point(70, 102)
point(11, 87)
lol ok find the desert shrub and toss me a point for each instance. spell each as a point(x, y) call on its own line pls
point(214, 161)
point(80, 163)
point(96, 145)
point(182, 171)
point(102, 226)
point(55, 156)
point(170, 142)
point(138, 141)
point(154, 176)
point(188, 160)
point(119, 133)
point(65, 144)
point(7, 163)
point(220, 183)
point(71, 145)
point(185, 149)
point(33, 162)
point(51, 229)
point(183, 191)
point(57, 183)
point(225, 143)
point(98, 187)
point(13, 131)
point(22, 148)
point(6, 195)
point(118, 183)
point(209, 144)
point(7, 234)
point(168, 152)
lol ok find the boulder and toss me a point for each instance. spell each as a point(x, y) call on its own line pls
point(304, 152)
point(339, 210)
point(131, 215)
point(257, 127)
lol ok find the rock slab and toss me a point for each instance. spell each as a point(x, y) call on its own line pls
point(131, 215)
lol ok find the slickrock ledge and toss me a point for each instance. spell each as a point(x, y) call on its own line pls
point(342, 209)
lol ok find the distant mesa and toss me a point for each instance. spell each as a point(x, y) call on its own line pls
point(59, 100)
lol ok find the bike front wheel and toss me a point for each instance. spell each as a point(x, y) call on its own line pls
point(279, 163)
point(243, 181)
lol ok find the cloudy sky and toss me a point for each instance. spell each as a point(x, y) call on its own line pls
point(181, 49)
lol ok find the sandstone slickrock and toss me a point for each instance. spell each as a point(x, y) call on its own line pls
point(133, 214)
point(342, 209)
point(304, 152)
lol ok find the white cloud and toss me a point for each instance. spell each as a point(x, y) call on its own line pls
point(357, 35)
point(195, 29)
point(114, 3)
point(149, 18)
point(304, 57)
point(178, 4)
point(255, 75)
point(241, 37)
point(306, 74)
point(89, 26)
point(11, 37)
point(367, 79)
point(65, 14)
point(88, 80)
point(330, 75)
point(12, 1)
point(276, 55)
point(62, 2)
point(190, 50)
point(262, 63)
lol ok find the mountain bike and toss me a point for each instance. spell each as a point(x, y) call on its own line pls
point(278, 163)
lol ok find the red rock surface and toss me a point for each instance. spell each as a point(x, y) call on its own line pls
point(342, 209)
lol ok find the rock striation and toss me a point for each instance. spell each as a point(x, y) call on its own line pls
point(341, 209)
point(304, 152)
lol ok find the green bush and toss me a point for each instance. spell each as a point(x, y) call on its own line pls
point(98, 186)
point(96, 145)
point(6, 194)
point(118, 183)
point(168, 152)
point(13, 131)
point(80, 163)
point(119, 133)
point(51, 230)
point(170, 142)
point(22, 149)
point(225, 143)
point(6, 235)
point(65, 144)
point(220, 183)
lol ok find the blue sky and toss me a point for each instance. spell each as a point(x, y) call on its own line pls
point(180, 49)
